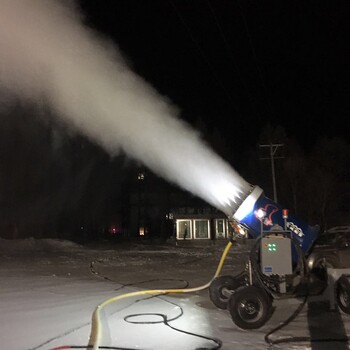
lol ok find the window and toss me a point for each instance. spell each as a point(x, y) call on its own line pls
point(220, 228)
point(201, 229)
point(169, 216)
point(183, 229)
point(141, 176)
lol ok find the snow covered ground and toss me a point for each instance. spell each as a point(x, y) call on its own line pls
point(50, 288)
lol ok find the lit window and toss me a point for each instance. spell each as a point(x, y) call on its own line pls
point(141, 231)
point(220, 228)
point(201, 229)
point(141, 176)
point(183, 229)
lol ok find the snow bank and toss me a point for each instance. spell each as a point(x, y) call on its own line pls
point(34, 245)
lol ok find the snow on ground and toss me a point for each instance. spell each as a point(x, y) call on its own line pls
point(50, 288)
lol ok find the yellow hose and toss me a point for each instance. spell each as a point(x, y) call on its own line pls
point(96, 331)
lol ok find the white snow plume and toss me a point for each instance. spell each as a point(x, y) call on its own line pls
point(47, 53)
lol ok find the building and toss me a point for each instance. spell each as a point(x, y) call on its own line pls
point(153, 208)
point(201, 223)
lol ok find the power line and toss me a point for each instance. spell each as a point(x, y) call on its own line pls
point(273, 148)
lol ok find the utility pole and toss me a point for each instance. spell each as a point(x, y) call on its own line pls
point(273, 148)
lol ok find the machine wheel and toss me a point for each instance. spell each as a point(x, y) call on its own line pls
point(343, 293)
point(220, 289)
point(321, 265)
point(250, 307)
point(326, 262)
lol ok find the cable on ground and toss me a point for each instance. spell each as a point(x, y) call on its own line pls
point(96, 328)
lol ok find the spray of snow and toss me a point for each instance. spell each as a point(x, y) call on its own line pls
point(48, 54)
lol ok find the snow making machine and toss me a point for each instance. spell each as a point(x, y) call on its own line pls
point(276, 267)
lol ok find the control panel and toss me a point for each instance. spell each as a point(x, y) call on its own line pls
point(276, 254)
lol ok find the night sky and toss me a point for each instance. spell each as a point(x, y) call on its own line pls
point(239, 65)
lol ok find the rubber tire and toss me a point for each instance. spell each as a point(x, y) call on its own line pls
point(216, 287)
point(330, 262)
point(321, 265)
point(343, 294)
point(258, 302)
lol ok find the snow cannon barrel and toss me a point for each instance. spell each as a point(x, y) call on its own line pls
point(260, 214)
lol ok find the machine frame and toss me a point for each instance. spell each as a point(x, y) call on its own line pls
point(276, 273)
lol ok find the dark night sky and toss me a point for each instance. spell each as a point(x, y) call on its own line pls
point(239, 65)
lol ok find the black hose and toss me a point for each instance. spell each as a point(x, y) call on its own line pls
point(164, 318)
point(283, 324)
point(266, 281)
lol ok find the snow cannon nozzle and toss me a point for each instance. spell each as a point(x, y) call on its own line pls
point(247, 205)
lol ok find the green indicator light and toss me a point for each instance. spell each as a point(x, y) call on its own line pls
point(272, 247)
